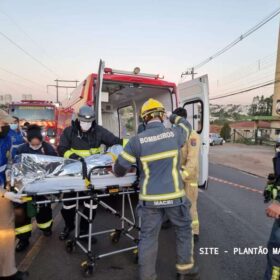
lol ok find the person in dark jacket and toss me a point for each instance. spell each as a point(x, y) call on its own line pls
point(80, 140)
point(37, 146)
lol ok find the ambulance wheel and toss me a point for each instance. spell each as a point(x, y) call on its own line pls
point(135, 253)
point(115, 236)
point(204, 186)
point(87, 268)
point(70, 245)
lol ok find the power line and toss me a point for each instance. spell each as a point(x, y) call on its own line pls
point(238, 39)
point(19, 84)
point(19, 76)
point(26, 34)
point(245, 90)
point(28, 54)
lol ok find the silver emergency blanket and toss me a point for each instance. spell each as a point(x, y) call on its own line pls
point(41, 173)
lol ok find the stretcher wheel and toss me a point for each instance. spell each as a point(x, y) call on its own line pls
point(87, 268)
point(70, 245)
point(115, 236)
point(135, 253)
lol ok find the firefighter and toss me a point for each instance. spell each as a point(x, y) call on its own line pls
point(82, 139)
point(8, 268)
point(156, 151)
point(44, 220)
point(16, 135)
point(272, 193)
point(190, 166)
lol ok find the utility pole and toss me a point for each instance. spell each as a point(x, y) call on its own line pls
point(189, 72)
point(57, 86)
point(276, 93)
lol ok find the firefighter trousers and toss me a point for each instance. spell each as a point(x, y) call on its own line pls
point(191, 188)
point(273, 257)
point(69, 209)
point(23, 221)
point(151, 220)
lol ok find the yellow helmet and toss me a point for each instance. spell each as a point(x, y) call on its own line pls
point(152, 108)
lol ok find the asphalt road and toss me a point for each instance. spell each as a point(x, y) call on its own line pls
point(231, 216)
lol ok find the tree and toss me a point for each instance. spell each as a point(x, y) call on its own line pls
point(226, 131)
point(261, 106)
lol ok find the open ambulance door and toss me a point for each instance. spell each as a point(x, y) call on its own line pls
point(98, 91)
point(194, 97)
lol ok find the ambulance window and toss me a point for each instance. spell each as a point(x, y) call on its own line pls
point(126, 122)
point(195, 114)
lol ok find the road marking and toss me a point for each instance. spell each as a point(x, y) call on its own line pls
point(35, 249)
point(235, 185)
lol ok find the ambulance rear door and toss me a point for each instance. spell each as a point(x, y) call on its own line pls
point(98, 91)
point(194, 97)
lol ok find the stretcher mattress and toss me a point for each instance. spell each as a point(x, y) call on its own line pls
point(33, 174)
point(67, 183)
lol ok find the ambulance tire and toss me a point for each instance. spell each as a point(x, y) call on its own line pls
point(204, 186)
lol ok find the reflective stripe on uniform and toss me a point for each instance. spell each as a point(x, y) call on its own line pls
point(82, 153)
point(193, 184)
point(185, 128)
point(175, 173)
point(275, 273)
point(67, 207)
point(177, 119)
point(182, 267)
point(159, 156)
point(156, 197)
point(23, 229)
point(45, 225)
point(195, 222)
point(87, 205)
point(147, 177)
point(3, 168)
point(164, 155)
point(125, 141)
point(128, 157)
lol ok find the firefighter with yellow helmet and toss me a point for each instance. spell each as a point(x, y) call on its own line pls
point(156, 151)
point(190, 166)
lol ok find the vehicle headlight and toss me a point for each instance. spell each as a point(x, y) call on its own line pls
point(44, 133)
point(52, 141)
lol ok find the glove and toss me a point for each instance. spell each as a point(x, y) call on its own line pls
point(168, 114)
point(75, 156)
point(185, 174)
point(13, 197)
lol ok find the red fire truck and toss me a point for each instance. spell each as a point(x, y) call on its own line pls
point(40, 112)
point(117, 97)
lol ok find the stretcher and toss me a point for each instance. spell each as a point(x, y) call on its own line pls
point(100, 183)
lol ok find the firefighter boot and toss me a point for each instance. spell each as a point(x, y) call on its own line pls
point(190, 274)
point(20, 275)
point(22, 245)
point(195, 238)
point(65, 233)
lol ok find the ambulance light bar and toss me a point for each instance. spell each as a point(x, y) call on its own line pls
point(136, 71)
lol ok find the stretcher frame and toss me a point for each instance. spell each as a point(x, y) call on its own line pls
point(95, 197)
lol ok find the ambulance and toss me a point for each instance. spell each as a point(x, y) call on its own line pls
point(117, 97)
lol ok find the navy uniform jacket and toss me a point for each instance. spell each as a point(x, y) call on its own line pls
point(74, 142)
point(156, 151)
point(46, 149)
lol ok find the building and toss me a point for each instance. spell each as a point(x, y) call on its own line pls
point(5, 99)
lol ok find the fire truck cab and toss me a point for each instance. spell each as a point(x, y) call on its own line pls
point(118, 96)
point(40, 112)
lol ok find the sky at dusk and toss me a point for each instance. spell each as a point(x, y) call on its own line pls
point(166, 37)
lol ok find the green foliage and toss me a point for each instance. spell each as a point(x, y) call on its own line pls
point(226, 131)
